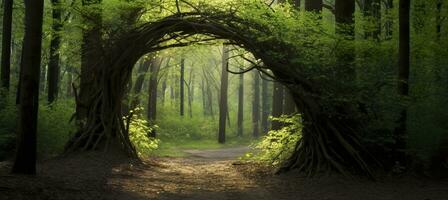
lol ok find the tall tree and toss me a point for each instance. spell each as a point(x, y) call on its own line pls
point(223, 95)
point(264, 106)
point(152, 91)
point(389, 19)
point(182, 86)
point(240, 118)
point(372, 12)
point(403, 73)
point(313, 5)
point(256, 106)
point(143, 67)
point(90, 52)
point(25, 161)
point(277, 105)
point(53, 65)
point(190, 90)
point(6, 44)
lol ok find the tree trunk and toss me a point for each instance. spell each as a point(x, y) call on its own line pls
point(53, 65)
point(277, 105)
point(264, 107)
point(344, 10)
point(90, 52)
point(389, 19)
point(256, 106)
point(439, 20)
point(152, 97)
point(344, 14)
point(190, 93)
point(25, 161)
point(372, 12)
point(138, 86)
point(223, 96)
point(182, 87)
point(240, 105)
point(403, 75)
point(6, 44)
point(289, 108)
point(69, 88)
point(313, 5)
point(204, 103)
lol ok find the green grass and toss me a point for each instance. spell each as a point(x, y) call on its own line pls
point(173, 148)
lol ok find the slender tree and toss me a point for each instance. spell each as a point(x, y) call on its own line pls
point(25, 161)
point(182, 87)
point(256, 106)
point(143, 68)
point(152, 91)
point(6, 44)
point(389, 19)
point(240, 118)
point(264, 106)
point(223, 95)
point(403, 73)
point(372, 12)
point(277, 105)
point(53, 65)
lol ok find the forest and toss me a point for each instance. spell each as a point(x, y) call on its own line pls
point(224, 99)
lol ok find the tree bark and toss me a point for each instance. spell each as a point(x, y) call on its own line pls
point(152, 97)
point(25, 161)
point(313, 5)
point(53, 65)
point(264, 107)
point(223, 96)
point(91, 49)
point(256, 106)
point(182, 87)
point(6, 44)
point(240, 117)
point(138, 86)
point(277, 105)
point(403, 75)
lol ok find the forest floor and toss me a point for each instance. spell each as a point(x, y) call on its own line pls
point(202, 175)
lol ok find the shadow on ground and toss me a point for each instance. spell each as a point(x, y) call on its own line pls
point(198, 177)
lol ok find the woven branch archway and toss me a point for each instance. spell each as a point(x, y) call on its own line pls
point(328, 142)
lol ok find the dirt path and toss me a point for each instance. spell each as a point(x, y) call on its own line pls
point(205, 175)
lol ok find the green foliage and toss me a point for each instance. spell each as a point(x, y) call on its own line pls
point(139, 130)
point(174, 127)
point(8, 117)
point(54, 127)
point(278, 145)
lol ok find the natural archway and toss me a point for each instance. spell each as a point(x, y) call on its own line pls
point(332, 128)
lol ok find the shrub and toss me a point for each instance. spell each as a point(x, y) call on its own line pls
point(139, 130)
point(278, 145)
